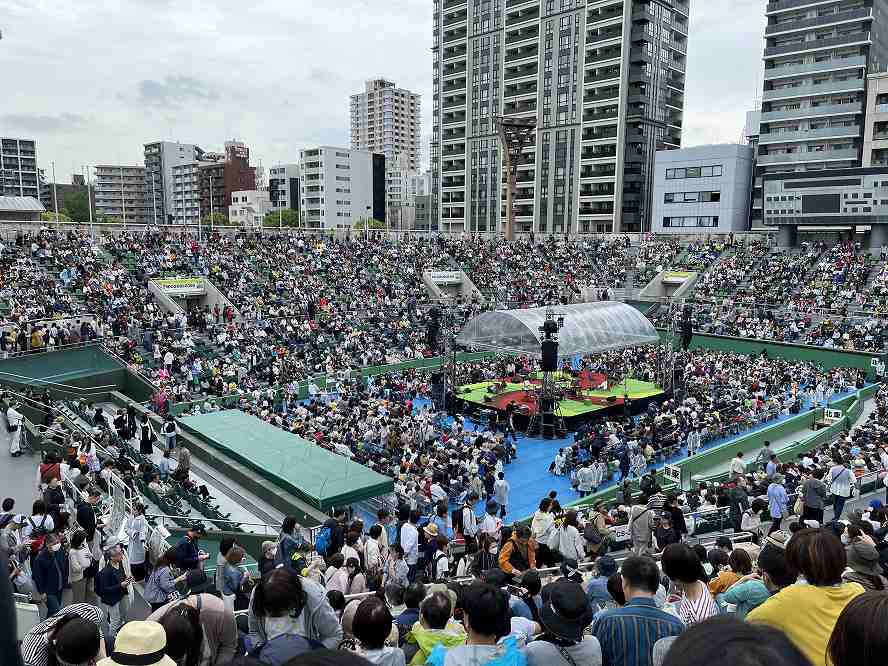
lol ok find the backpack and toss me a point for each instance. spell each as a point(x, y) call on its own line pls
point(324, 540)
point(38, 535)
point(5, 520)
point(282, 649)
point(432, 567)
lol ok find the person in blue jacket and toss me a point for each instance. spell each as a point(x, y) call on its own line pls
point(50, 573)
point(188, 554)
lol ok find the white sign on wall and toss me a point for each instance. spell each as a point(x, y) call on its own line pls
point(446, 277)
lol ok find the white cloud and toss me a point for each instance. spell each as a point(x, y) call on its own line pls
point(93, 81)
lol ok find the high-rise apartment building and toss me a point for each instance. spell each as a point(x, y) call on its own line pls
point(604, 83)
point(18, 168)
point(817, 53)
point(341, 187)
point(386, 120)
point(120, 194)
point(160, 159)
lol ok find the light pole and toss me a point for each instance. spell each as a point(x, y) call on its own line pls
point(55, 198)
point(89, 199)
point(154, 193)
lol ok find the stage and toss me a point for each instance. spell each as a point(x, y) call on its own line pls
point(586, 399)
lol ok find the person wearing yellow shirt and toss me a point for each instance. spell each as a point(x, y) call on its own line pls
point(807, 612)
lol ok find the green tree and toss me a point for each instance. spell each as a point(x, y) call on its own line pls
point(285, 218)
point(50, 216)
point(77, 207)
point(371, 224)
point(107, 219)
point(217, 219)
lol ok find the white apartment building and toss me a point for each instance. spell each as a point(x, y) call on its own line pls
point(160, 159)
point(18, 168)
point(120, 194)
point(386, 119)
point(817, 53)
point(249, 207)
point(704, 189)
point(340, 187)
point(602, 80)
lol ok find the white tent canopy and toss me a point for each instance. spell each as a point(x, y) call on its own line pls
point(588, 328)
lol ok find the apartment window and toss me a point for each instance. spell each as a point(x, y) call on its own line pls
point(691, 221)
point(691, 197)
point(694, 172)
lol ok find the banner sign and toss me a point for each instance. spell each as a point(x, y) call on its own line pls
point(446, 277)
point(182, 286)
point(672, 473)
point(832, 414)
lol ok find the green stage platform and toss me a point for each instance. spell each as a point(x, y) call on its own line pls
point(636, 389)
point(321, 478)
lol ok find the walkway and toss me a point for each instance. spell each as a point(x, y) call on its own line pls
point(529, 478)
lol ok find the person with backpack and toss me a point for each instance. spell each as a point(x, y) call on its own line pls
point(50, 572)
point(518, 553)
point(37, 526)
point(169, 432)
point(641, 529)
point(199, 630)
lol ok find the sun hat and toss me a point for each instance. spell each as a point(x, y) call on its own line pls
point(566, 613)
point(864, 558)
point(139, 643)
point(431, 530)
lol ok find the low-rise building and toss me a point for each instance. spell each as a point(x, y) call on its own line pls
point(704, 189)
point(20, 209)
point(249, 207)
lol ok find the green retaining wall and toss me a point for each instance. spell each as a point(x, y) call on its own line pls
point(829, 358)
point(852, 406)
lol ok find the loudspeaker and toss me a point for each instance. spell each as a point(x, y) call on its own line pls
point(549, 350)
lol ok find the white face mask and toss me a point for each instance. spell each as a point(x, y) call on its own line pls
point(845, 539)
point(55, 547)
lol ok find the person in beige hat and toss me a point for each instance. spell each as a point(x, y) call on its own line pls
point(139, 643)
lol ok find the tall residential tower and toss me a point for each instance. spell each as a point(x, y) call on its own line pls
point(604, 82)
point(817, 53)
point(386, 120)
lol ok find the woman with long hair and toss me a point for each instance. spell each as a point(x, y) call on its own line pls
point(357, 581)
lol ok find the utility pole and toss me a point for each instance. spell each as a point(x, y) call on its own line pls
point(89, 198)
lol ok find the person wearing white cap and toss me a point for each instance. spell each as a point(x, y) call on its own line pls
point(140, 643)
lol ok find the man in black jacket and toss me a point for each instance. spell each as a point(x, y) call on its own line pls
point(188, 555)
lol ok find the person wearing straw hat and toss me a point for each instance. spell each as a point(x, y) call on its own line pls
point(565, 615)
point(139, 643)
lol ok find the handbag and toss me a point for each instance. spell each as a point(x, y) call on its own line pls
point(799, 506)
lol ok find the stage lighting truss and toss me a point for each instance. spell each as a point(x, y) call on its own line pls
point(554, 322)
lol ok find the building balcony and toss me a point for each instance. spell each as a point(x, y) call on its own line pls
point(819, 21)
point(452, 4)
point(453, 35)
point(786, 5)
point(600, 113)
point(604, 14)
point(523, 34)
point(812, 90)
point(603, 74)
point(602, 34)
point(812, 112)
point(453, 166)
point(522, 53)
point(454, 18)
point(600, 133)
point(455, 101)
point(835, 64)
point(453, 52)
point(518, 3)
point(521, 15)
point(519, 108)
point(454, 85)
point(818, 44)
point(811, 135)
point(603, 54)
point(520, 71)
point(808, 156)
point(602, 94)
point(518, 89)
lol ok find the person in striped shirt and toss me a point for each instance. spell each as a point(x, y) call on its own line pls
point(627, 634)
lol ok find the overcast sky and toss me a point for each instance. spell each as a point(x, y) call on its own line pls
point(93, 80)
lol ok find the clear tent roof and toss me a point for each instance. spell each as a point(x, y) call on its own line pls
point(588, 328)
